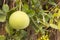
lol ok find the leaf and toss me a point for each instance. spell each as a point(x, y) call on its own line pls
point(55, 15)
point(49, 15)
point(11, 11)
point(16, 37)
point(51, 21)
point(44, 18)
point(34, 1)
point(21, 34)
point(31, 13)
point(25, 7)
point(36, 30)
point(8, 29)
point(52, 2)
point(2, 18)
point(42, 30)
point(2, 37)
point(59, 13)
point(5, 8)
point(17, 1)
point(1, 12)
point(53, 26)
point(38, 21)
point(59, 25)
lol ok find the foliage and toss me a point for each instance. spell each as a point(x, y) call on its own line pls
point(2, 37)
point(40, 13)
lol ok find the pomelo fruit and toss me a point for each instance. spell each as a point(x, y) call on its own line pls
point(19, 20)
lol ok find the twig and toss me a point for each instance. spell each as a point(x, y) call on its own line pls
point(20, 3)
point(34, 22)
point(4, 1)
point(13, 4)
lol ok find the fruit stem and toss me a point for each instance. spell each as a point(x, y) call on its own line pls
point(20, 4)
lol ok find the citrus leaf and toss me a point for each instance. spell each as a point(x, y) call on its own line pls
point(8, 29)
point(44, 19)
point(21, 34)
point(51, 21)
point(52, 2)
point(59, 25)
point(1, 12)
point(2, 37)
point(2, 18)
point(5, 8)
point(55, 15)
point(25, 7)
point(53, 26)
point(59, 13)
point(31, 13)
point(34, 1)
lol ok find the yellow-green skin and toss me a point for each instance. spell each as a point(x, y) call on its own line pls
point(19, 20)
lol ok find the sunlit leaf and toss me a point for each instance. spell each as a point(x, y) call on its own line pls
point(59, 25)
point(51, 21)
point(59, 13)
point(53, 26)
point(44, 19)
point(55, 15)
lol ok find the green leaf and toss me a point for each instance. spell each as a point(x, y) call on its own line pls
point(31, 13)
point(5, 8)
point(2, 18)
point(17, 37)
point(34, 1)
point(21, 34)
point(41, 29)
point(53, 26)
point(2, 37)
point(1, 12)
point(58, 25)
point(44, 19)
point(52, 2)
point(8, 29)
point(36, 30)
point(17, 1)
point(25, 8)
